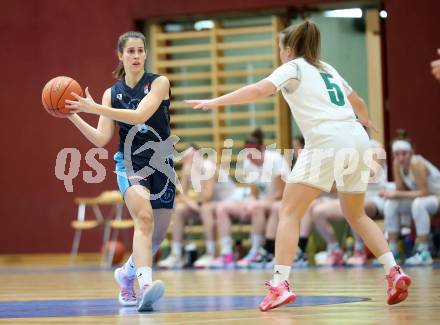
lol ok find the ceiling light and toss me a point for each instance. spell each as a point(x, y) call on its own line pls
point(344, 13)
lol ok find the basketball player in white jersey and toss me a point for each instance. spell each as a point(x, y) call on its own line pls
point(417, 194)
point(322, 104)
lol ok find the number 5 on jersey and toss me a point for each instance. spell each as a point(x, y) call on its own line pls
point(334, 91)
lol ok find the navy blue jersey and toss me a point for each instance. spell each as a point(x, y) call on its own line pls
point(156, 129)
point(145, 151)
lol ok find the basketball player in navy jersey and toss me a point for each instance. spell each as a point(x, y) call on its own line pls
point(139, 102)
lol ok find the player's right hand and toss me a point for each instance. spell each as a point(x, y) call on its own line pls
point(204, 104)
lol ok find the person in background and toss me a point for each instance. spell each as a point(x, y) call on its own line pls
point(203, 206)
point(264, 174)
point(417, 194)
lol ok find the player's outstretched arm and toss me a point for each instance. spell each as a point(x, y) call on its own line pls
point(101, 135)
point(246, 94)
point(146, 108)
point(361, 110)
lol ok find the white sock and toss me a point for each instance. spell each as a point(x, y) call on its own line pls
point(129, 267)
point(144, 275)
point(176, 249)
point(257, 240)
point(388, 261)
point(226, 245)
point(280, 273)
point(210, 247)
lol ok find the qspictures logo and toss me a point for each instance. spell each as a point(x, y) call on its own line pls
point(157, 156)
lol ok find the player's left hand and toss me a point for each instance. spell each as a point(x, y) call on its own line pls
point(204, 104)
point(368, 124)
point(82, 104)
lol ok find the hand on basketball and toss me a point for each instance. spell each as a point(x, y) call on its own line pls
point(204, 104)
point(82, 104)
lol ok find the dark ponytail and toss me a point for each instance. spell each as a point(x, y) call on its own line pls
point(119, 71)
point(305, 41)
point(256, 138)
point(402, 134)
point(258, 134)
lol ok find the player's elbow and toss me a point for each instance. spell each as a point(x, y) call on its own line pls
point(139, 119)
point(100, 143)
point(260, 91)
point(102, 140)
point(144, 115)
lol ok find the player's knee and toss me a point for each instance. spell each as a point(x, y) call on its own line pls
point(143, 219)
point(287, 211)
point(206, 208)
point(222, 210)
point(354, 218)
point(255, 206)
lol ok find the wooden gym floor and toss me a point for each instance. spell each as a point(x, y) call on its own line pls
point(45, 290)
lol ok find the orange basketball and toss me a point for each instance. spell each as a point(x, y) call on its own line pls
point(118, 248)
point(55, 93)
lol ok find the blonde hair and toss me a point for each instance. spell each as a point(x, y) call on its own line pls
point(305, 40)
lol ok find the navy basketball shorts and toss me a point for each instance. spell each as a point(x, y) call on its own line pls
point(161, 187)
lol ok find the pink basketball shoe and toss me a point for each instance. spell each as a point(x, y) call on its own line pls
point(127, 295)
point(398, 284)
point(277, 296)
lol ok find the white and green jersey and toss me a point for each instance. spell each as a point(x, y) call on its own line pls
point(314, 95)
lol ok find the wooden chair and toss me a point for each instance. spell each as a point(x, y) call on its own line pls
point(113, 198)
